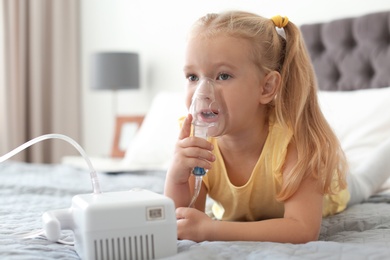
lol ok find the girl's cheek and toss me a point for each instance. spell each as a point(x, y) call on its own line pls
point(188, 98)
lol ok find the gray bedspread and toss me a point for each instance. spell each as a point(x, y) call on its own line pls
point(28, 190)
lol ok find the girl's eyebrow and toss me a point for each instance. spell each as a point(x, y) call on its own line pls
point(223, 63)
point(228, 65)
point(188, 67)
point(216, 64)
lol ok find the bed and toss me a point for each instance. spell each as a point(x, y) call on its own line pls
point(351, 57)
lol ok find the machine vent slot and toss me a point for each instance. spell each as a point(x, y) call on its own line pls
point(132, 247)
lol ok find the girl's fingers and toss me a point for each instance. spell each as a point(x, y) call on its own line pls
point(185, 132)
point(180, 213)
point(193, 151)
point(185, 212)
point(200, 163)
point(186, 128)
point(199, 153)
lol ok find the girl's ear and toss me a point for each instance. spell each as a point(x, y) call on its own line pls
point(271, 85)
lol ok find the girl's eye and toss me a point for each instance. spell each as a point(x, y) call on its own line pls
point(224, 76)
point(192, 78)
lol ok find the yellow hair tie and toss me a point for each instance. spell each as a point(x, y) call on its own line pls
point(279, 21)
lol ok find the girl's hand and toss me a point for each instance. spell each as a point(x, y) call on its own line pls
point(189, 153)
point(193, 224)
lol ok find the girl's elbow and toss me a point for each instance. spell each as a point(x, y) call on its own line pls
point(309, 235)
point(310, 238)
point(306, 233)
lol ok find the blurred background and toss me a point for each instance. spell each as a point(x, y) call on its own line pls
point(45, 61)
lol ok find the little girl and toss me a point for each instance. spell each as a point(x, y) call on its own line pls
point(278, 168)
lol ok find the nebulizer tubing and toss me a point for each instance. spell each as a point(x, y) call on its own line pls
point(203, 110)
point(94, 177)
point(198, 172)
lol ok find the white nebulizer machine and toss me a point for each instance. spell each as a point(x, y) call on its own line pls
point(133, 224)
point(209, 119)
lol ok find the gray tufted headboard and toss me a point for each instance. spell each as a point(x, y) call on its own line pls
point(350, 53)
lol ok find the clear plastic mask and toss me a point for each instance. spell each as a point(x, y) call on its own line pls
point(208, 110)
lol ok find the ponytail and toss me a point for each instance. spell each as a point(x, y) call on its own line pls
point(296, 106)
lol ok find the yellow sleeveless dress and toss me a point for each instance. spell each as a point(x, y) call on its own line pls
point(256, 199)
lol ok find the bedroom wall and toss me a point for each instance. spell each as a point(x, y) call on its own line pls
point(156, 30)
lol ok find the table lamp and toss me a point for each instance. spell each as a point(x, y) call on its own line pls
point(114, 71)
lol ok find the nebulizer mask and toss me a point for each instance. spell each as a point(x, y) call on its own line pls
point(209, 119)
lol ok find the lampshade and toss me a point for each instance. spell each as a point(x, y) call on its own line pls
point(114, 70)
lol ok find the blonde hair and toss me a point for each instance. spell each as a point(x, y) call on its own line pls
point(296, 104)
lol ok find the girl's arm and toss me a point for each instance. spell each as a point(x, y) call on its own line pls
point(189, 153)
point(300, 224)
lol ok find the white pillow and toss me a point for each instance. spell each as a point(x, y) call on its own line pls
point(360, 119)
point(153, 146)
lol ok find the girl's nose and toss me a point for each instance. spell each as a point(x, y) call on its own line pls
point(205, 89)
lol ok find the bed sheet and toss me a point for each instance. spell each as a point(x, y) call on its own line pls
point(28, 190)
